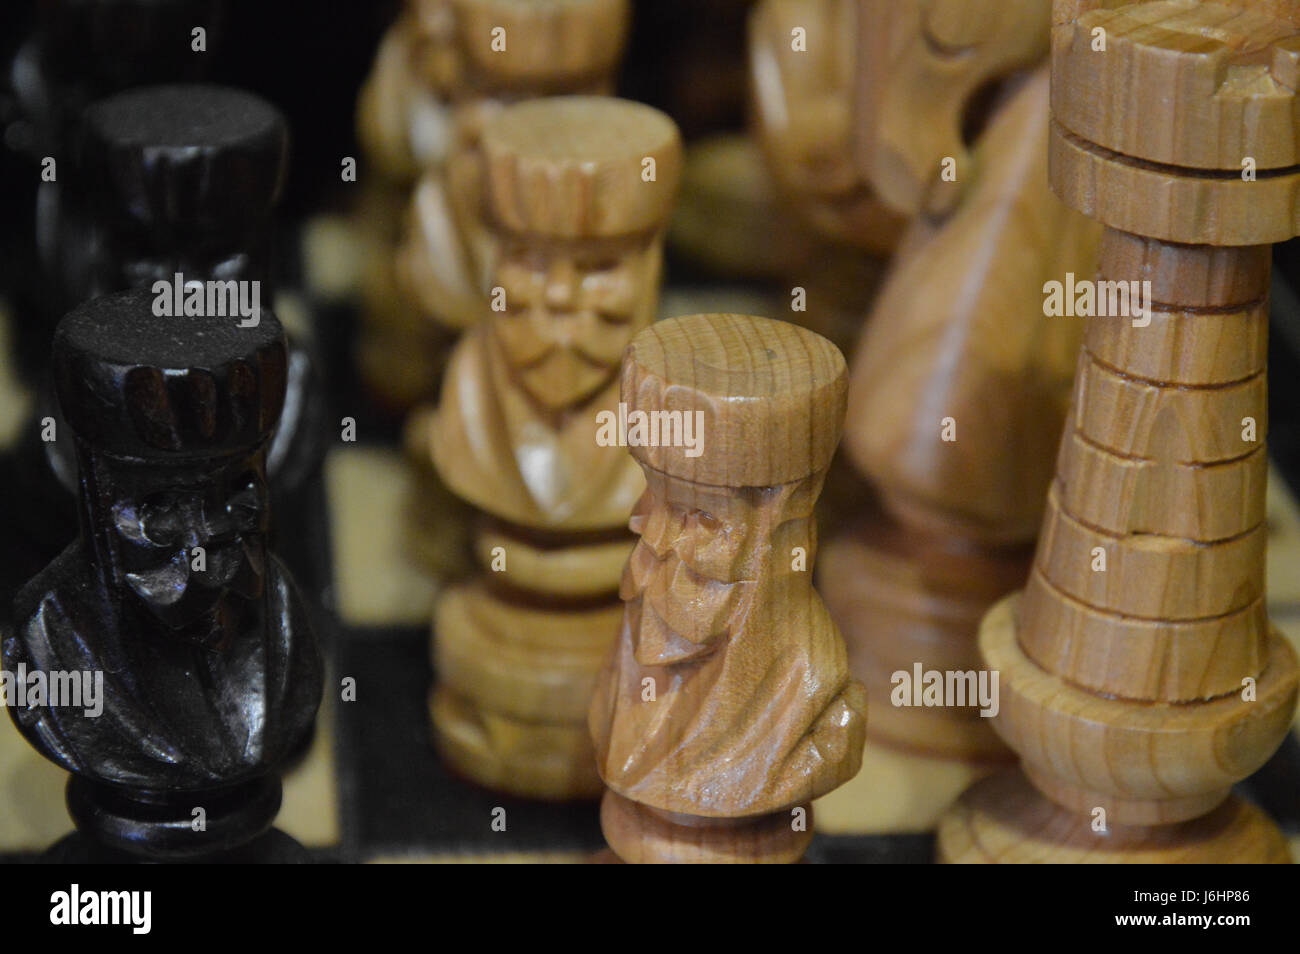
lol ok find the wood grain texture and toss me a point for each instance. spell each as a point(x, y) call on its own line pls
point(437, 78)
point(959, 331)
point(1005, 820)
point(958, 339)
point(1148, 684)
point(578, 237)
point(728, 694)
point(1214, 83)
point(919, 65)
point(1149, 763)
point(902, 596)
point(640, 835)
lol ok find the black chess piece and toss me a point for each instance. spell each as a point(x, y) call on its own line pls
point(175, 180)
point(78, 52)
point(210, 673)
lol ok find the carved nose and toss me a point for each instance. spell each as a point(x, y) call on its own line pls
point(561, 285)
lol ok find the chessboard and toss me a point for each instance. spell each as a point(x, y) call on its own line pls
point(362, 534)
point(371, 788)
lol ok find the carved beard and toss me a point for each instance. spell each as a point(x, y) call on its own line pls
point(681, 614)
point(560, 371)
point(179, 597)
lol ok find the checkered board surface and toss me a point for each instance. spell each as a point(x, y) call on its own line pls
point(370, 787)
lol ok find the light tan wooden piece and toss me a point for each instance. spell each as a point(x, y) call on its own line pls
point(440, 74)
point(802, 102)
point(1139, 674)
point(727, 704)
point(1003, 820)
point(580, 230)
point(958, 334)
point(921, 63)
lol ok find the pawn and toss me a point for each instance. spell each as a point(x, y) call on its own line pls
point(77, 53)
point(173, 185)
point(205, 670)
point(578, 193)
point(727, 706)
point(443, 69)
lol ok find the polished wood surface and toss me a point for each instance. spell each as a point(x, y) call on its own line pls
point(442, 71)
point(727, 700)
point(1140, 676)
point(960, 381)
point(579, 225)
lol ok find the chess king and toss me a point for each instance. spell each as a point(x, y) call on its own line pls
point(727, 702)
point(211, 674)
point(578, 191)
point(444, 68)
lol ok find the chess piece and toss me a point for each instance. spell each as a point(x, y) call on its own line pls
point(78, 53)
point(578, 192)
point(925, 73)
point(802, 63)
point(959, 383)
point(1140, 677)
point(443, 69)
point(727, 705)
point(802, 57)
point(169, 180)
point(183, 179)
point(208, 673)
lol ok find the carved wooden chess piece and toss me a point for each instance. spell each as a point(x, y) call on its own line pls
point(727, 706)
point(802, 58)
point(578, 192)
point(210, 674)
point(169, 180)
point(443, 69)
point(78, 53)
point(1140, 676)
point(960, 380)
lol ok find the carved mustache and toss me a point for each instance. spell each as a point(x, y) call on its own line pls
point(532, 338)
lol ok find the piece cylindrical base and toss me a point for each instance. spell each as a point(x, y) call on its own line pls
point(639, 834)
point(1005, 820)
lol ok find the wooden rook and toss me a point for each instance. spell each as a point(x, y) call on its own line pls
point(1140, 678)
point(960, 381)
point(208, 673)
point(727, 706)
point(443, 69)
point(578, 193)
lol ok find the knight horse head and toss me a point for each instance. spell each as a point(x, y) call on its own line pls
point(921, 67)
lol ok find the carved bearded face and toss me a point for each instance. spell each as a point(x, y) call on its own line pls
point(571, 308)
point(703, 555)
point(159, 515)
